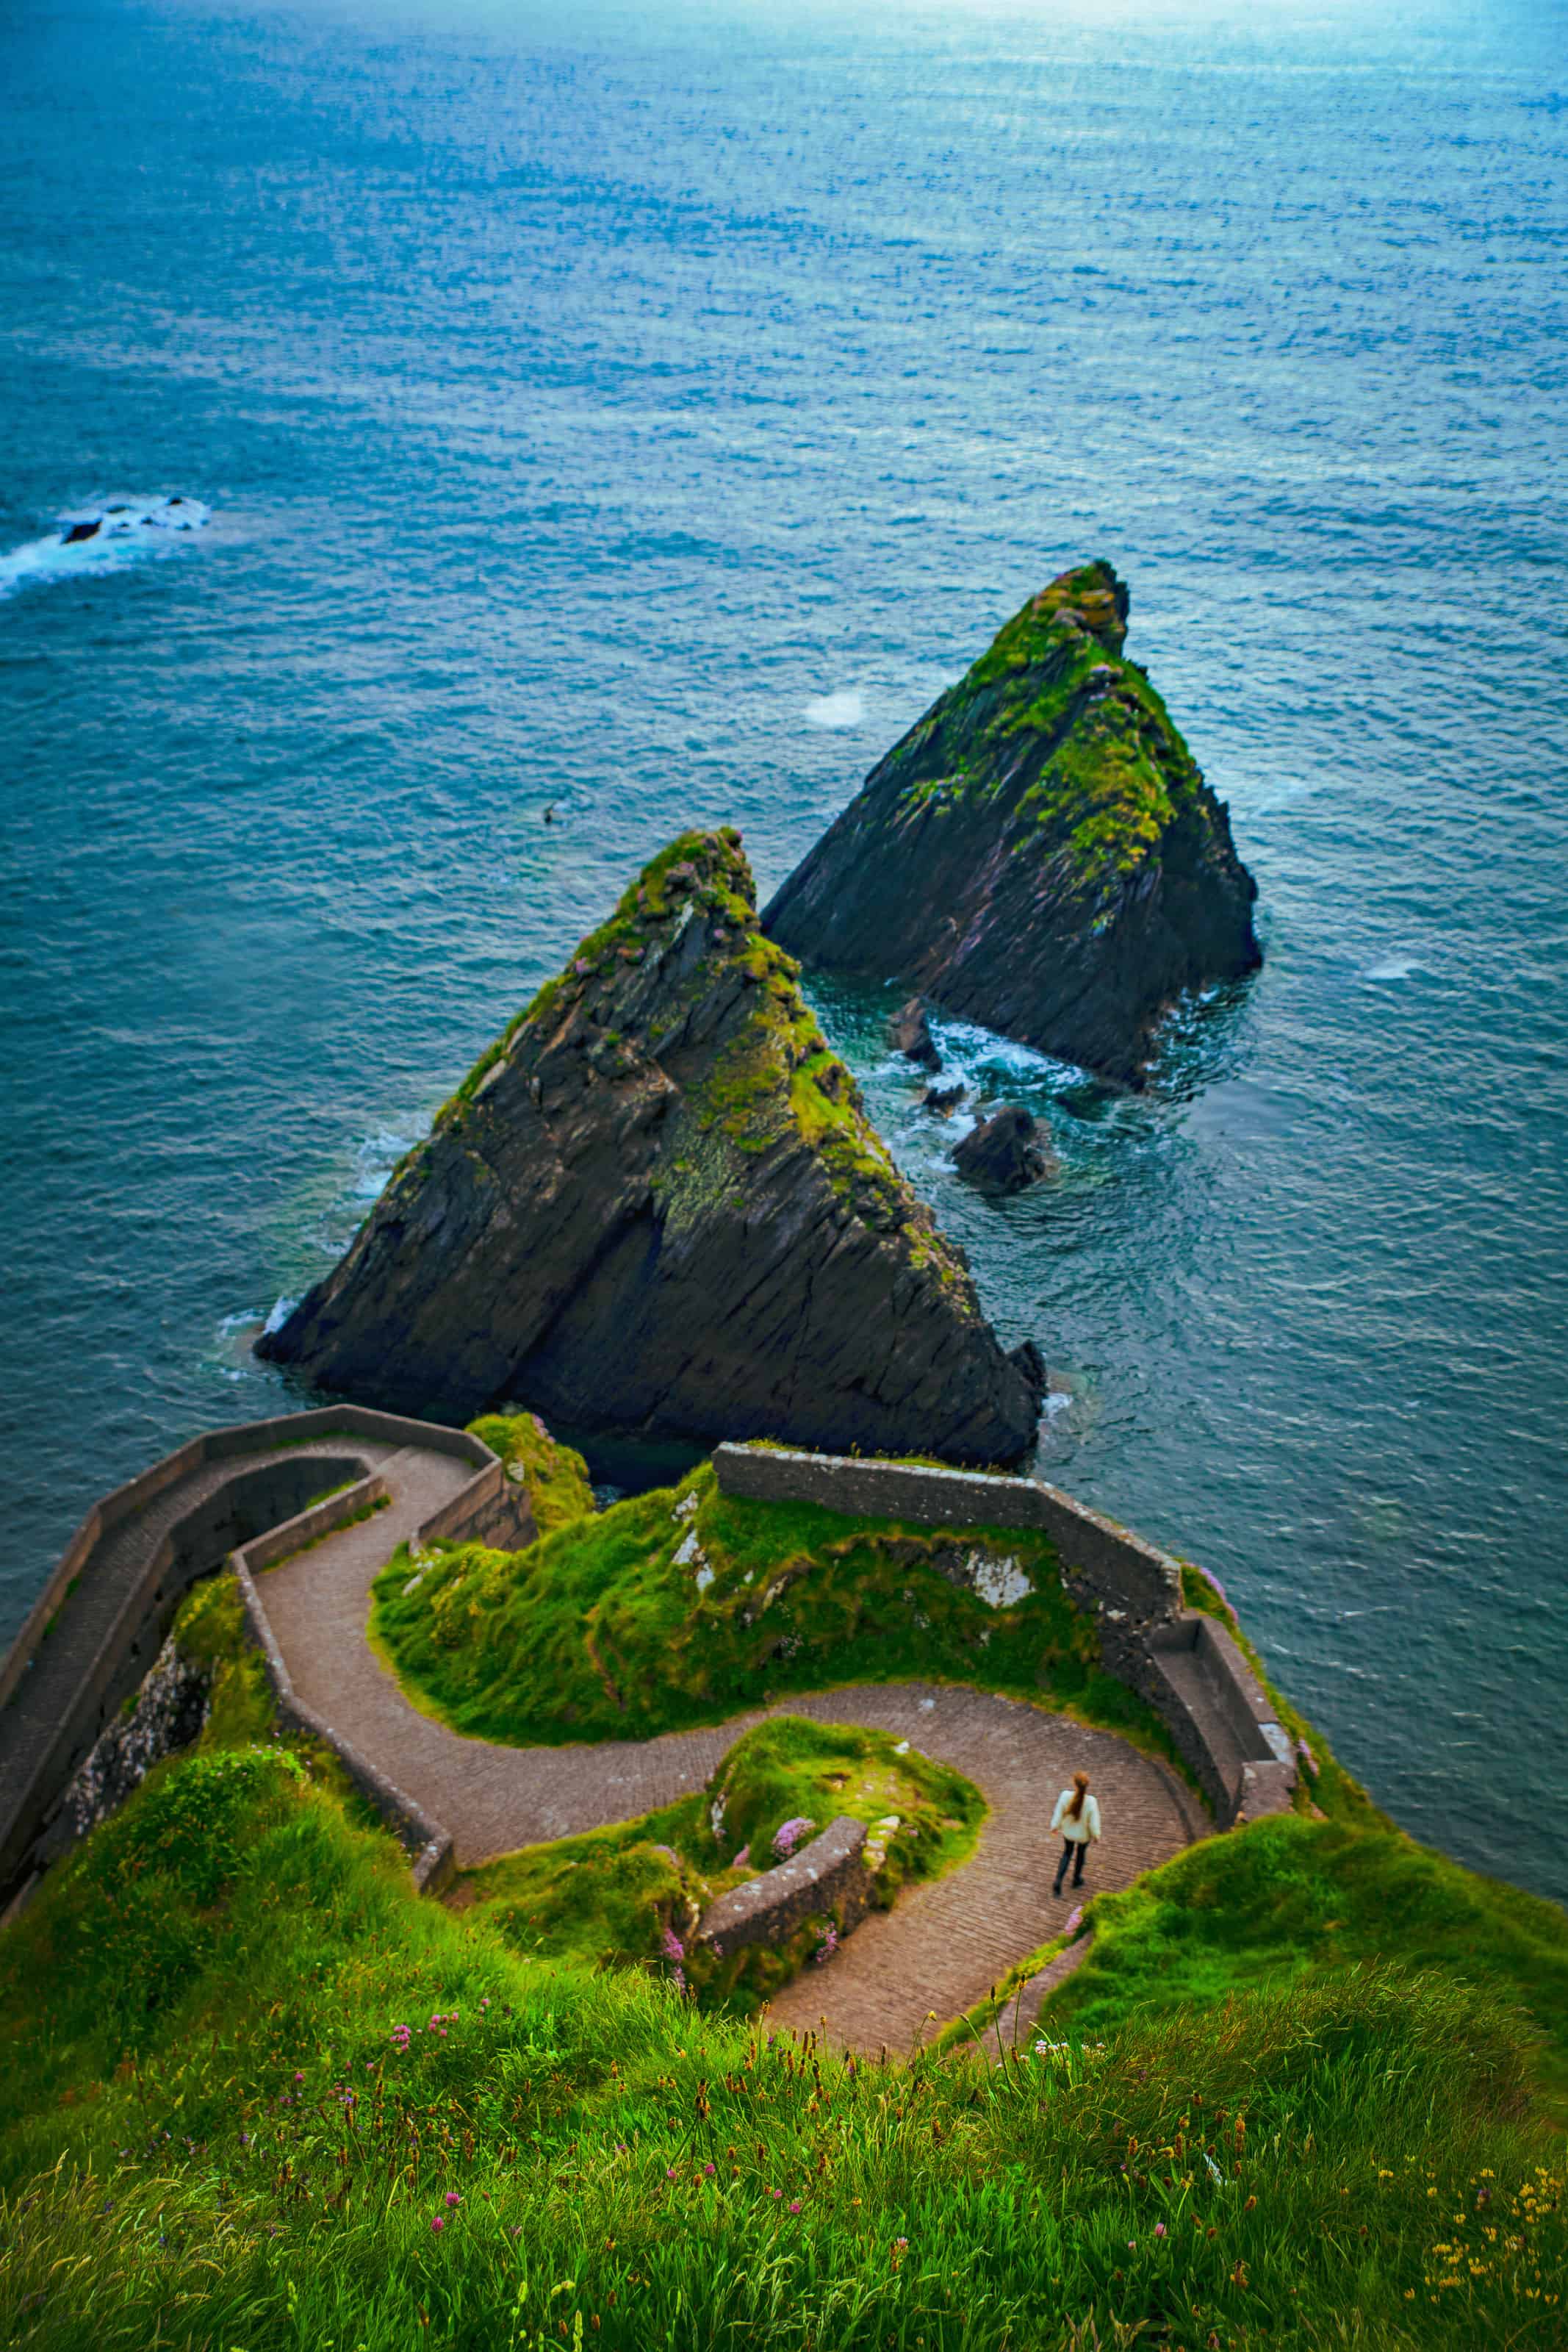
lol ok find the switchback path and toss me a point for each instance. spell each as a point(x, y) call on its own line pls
point(936, 1954)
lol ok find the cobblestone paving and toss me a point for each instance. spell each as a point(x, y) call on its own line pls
point(936, 1954)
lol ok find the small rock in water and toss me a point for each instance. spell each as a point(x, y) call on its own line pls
point(1007, 1152)
point(943, 1100)
point(911, 1034)
point(80, 531)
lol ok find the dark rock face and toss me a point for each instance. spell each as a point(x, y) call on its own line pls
point(943, 1100)
point(656, 1206)
point(1040, 852)
point(80, 531)
point(1007, 1152)
point(909, 1032)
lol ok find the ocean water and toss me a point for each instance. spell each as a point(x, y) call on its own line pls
point(647, 413)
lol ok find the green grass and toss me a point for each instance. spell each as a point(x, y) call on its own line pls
point(630, 1896)
point(1287, 1899)
point(244, 2070)
point(557, 1478)
point(603, 1631)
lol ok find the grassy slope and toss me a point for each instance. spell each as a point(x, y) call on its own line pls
point(216, 2135)
point(602, 1632)
point(614, 1896)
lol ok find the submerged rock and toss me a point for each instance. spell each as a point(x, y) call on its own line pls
point(1040, 852)
point(1007, 1152)
point(943, 1100)
point(656, 1206)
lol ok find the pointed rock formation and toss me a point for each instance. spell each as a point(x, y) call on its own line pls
point(656, 1206)
point(1040, 852)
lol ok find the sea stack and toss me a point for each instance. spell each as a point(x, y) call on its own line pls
point(1041, 854)
point(656, 1207)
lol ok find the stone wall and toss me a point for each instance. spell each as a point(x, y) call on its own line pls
point(1185, 1664)
point(828, 1877)
point(430, 1845)
point(97, 1627)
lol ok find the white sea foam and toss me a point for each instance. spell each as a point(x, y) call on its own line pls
point(280, 1314)
point(1393, 967)
point(374, 1160)
point(845, 707)
point(121, 531)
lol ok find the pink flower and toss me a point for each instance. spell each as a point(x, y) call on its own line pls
point(452, 2197)
point(1159, 2229)
point(438, 2224)
point(1074, 1921)
point(794, 2205)
point(743, 1859)
point(708, 2170)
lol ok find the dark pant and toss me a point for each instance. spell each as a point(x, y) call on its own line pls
point(1072, 1850)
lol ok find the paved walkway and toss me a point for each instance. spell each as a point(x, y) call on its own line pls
point(940, 1950)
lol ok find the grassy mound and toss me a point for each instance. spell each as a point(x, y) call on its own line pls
point(632, 1895)
point(256, 2094)
point(556, 1477)
point(681, 1606)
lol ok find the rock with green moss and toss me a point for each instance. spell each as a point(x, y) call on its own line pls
point(656, 1206)
point(1040, 852)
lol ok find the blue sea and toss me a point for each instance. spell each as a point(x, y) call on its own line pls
point(647, 413)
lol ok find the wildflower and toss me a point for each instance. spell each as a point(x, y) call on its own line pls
point(794, 2205)
point(672, 1947)
point(298, 2077)
point(1075, 1920)
point(669, 2171)
point(438, 2225)
point(1131, 2245)
point(776, 2195)
point(901, 2243)
point(452, 2197)
point(827, 1947)
point(789, 1835)
point(708, 2171)
point(1159, 2229)
point(743, 1859)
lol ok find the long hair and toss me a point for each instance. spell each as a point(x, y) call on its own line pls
point(1080, 1790)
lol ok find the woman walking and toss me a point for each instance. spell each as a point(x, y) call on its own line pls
point(1077, 1816)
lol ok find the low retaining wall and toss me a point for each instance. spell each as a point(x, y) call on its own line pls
point(828, 1875)
point(430, 1845)
point(1184, 1663)
point(98, 1650)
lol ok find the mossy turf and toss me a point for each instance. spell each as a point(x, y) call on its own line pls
point(632, 1895)
point(1108, 772)
point(683, 1606)
point(256, 2094)
point(774, 1081)
point(557, 1478)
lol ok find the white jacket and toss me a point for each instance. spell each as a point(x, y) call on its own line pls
point(1087, 1825)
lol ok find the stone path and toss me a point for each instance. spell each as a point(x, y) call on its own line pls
point(940, 1950)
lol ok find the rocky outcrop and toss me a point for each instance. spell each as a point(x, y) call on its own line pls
point(656, 1206)
point(1040, 852)
point(1007, 1152)
point(909, 1033)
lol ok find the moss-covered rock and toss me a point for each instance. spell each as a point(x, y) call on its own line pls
point(656, 1206)
point(1040, 852)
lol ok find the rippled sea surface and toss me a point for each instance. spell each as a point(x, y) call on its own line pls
point(647, 414)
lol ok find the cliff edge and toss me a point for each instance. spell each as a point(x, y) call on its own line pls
point(1040, 852)
point(656, 1206)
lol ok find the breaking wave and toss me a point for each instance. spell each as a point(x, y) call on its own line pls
point(103, 536)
